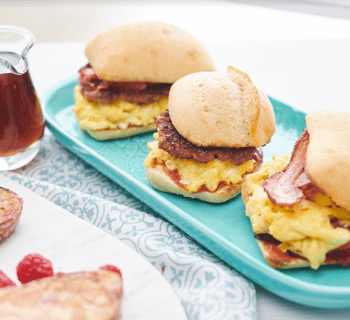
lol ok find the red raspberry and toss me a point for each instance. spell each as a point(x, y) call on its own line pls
point(110, 267)
point(5, 281)
point(32, 267)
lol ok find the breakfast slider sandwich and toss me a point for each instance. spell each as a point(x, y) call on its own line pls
point(299, 207)
point(131, 68)
point(209, 137)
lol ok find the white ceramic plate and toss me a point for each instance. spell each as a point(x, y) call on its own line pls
point(72, 244)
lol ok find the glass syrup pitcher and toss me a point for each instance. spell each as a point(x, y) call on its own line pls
point(21, 120)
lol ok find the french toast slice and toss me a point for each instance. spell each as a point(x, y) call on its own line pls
point(95, 295)
point(11, 205)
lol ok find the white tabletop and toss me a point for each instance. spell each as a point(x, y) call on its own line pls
point(300, 59)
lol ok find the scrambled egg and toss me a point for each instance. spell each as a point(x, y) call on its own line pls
point(195, 174)
point(118, 115)
point(305, 229)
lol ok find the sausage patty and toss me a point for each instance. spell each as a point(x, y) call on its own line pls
point(172, 142)
point(96, 89)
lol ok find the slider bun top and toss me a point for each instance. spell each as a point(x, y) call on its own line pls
point(221, 110)
point(147, 51)
point(328, 154)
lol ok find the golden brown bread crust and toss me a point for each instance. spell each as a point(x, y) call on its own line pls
point(328, 154)
point(11, 206)
point(277, 264)
point(221, 109)
point(266, 123)
point(95, 295)
point(147, 51)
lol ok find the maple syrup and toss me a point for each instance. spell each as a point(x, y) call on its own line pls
point(21, 119)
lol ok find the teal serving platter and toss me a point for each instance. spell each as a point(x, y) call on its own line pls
point(221, 228)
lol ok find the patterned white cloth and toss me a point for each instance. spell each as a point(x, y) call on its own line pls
point(206, 286)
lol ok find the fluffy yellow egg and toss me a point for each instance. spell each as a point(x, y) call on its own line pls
point(194, 174)
point(117, 115)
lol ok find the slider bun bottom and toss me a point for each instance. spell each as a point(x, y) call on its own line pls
point(295, 263)
point(103, 135)
point(161, 181)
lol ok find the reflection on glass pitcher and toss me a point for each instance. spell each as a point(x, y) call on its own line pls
point(21, 120)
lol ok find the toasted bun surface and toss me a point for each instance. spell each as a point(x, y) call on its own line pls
point(147, 51)
point(294, 263)
point(161, 181)
point(94, 295)
point(328, 154)
point(222, 110)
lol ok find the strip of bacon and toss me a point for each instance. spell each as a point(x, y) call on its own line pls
point(285, 188)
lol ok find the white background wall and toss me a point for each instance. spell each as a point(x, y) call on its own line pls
point(208, 20)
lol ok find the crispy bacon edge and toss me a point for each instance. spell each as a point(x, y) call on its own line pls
point(289, 186)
